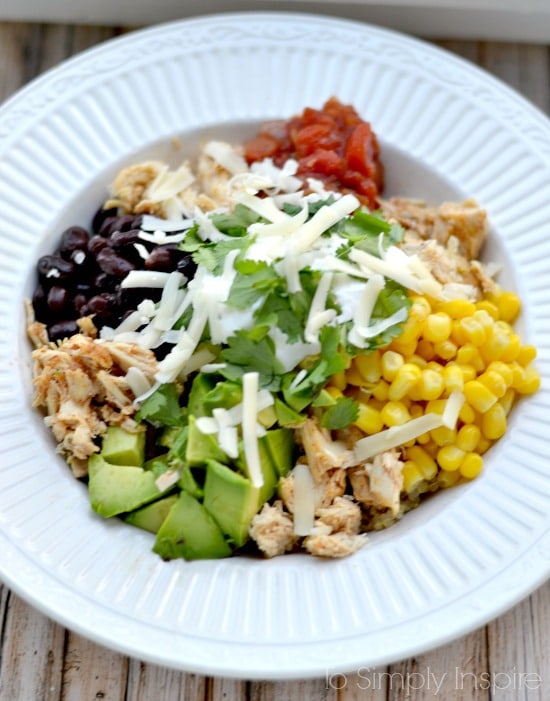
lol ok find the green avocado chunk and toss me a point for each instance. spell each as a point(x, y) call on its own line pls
point(151, 517)
point(116, 489)
point(231, 499)
point(190, 532)
point(201, 447)
point(280, 446)
point(121, 447)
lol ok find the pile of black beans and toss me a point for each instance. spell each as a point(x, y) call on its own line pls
point(82, 276)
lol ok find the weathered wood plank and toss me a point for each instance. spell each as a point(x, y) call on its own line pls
point(226, 690)
point(519, 653)
point(32, 655)
point(16, 41)
point(451, 672)
point(148, 681)
point(303, 690)
point(92, 672)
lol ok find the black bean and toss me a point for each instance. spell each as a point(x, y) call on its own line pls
point(80, 304)
point(73, 238)
point(106, 228)
point(104, 283)
point(130, 297)
point(100, 216)
point(58, 298)
point(187, 267)
point(102, 305)
point(161, 259)
point(53, 268)
point(62, 329)
point(113, 264)
point(122, 239)
point(84, 262)
point(39, 302)
point(96, 243)
point(124, 223)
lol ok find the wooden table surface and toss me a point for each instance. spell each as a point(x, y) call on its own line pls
point(507, 660)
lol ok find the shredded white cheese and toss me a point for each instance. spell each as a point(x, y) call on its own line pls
point(304, 500)
point(250, 437)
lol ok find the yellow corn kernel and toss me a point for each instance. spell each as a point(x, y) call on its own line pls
point(468, 437)
point(380, 391)
point(437, 328)
point(484, 318)
point(424, 461)
point(416, 411)
point(526, 355)
point(473, 331)
point(513, 349)
point(448, 479)
point(412, 476)
point(509, 306)
point(335, 392)
point(390, 364)
point(339, 380)
point(424, 439)
point(503, 326)
point(420, 308)
point(483, 445)
point(471, 466)
point(494, 381)
point(445, 350)
point(405, 379)
point(466, 353)
point(495, 347)
point(503, 369)
point(450, 457)
point(395, 414)
point(530, 382)
point(436, 406)
point(468, 371)
point(457, 308)
point(507, 401)
point(416, 359)
point(403, 346)
point(443, 436)
point(466, 414)
point(354, 377)
point(369, 419)
point(458, 335)
point(368, 366)
point(490, 307)
point(425, 349)
point(493, 424)
point(430, 384)
point(479, 396)
point(453, 379)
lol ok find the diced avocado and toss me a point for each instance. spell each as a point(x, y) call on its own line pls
point(151, 517)
point(202, 385)
point(269, 473)
point(323, 399)
point(286, 416)
point(189, 531)
point(168, 436)
point(267, 417)
point(121, 447)
point(188, 481)
point(116, 489)
point(201, 447)
point(281, 447)
point(225, 394)
point(231, 499)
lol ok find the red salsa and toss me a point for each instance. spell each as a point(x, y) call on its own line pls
point(332, 144)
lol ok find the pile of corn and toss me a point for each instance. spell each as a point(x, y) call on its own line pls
point(445, 346)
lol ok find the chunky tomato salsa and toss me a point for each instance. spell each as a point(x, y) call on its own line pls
point(332, 144)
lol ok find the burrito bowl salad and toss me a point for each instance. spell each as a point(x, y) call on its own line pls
point(259, 353)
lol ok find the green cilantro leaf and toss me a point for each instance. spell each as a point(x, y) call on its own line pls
point(235, 223)
point(212, 255)
point(254, 280)
point(252, 351)
point(341, 415)
point(162, 408)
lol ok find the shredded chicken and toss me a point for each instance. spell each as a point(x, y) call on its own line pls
point(273, 530)
point(324, 543)
point(331, 485)
point(80, 383)
point(322, 453)
point(465, 221)
point(379, 483)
